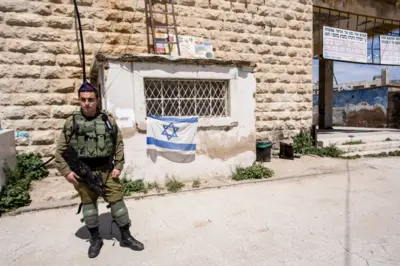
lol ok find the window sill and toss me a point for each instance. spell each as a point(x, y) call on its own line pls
point(214, 123)
point(223, 123)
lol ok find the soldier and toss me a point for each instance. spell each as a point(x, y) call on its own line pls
point(87, 132)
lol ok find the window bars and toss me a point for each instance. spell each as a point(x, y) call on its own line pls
point(186, 97)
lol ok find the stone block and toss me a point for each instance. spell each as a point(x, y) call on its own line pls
point(60, 22)
point(48, 124)
point(62, 85)
point(20, 125)
point(34, 85)
point(62, 112)
point(238, 7)
point(40, 8)
point(123, 27)
point(9, 85)
point(26, 99)
point(25, 71)
point(45, 34)
point(270, 77)
point(44, 150)
point(87, 24)
point(7, 31)
point(102, 25)
point(22, 46)
point(67, 10)
point(41, 59)
point(42, 137)
point(69, 60)
point(37, 112)
point(187, 2)
point(13, 6)
point(54, 99)
point(13, 112)
point(11, 58)
point(24, 19)
point(52, 72)
point(279, 51)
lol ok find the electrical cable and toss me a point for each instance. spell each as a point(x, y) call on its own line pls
point(81, 34)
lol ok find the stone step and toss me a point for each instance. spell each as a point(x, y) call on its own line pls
point(363, 153)
point(370, 146)
point(367, 138)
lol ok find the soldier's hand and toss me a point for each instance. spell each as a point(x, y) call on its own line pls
point(71, 178)
point(116, 173)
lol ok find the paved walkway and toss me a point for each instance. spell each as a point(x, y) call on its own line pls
point(339, 219)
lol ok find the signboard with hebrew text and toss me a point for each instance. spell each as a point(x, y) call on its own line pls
point(390, 50)
point(345, 45)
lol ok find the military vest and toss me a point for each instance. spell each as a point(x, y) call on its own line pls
point(90, 138)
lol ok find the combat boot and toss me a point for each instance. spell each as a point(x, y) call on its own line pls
point(96, 242)
point(127, 240)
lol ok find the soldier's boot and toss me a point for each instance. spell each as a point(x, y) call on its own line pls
point(96, 242)
point(127, 240)
point(120, 215)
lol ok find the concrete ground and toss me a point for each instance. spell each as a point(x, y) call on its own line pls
point(347, 218)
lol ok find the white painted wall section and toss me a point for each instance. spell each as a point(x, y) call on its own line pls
point(227, 142)
point(7, 153)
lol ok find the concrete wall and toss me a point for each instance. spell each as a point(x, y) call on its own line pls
point(358, 108)
point(40, 60)
point(7, 153)
point(222, 143)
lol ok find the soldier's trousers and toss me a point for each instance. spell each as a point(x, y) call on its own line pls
point(113, 195)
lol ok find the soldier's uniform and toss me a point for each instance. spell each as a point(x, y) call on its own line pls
point(95, 147)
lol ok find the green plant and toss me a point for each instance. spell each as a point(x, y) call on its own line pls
point(133, 186)
point(154, 185)
point(196, 184)
point(303, 144)
point(15, 193)
point(383, 154)
point(255, 171)
point(173, 185)
point(30, 166)
point(353, 142)
point(352, 157)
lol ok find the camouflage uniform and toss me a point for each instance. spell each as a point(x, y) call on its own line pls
point(114, 190)
point(95, 146)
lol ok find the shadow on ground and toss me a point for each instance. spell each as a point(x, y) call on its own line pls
point(108, 230)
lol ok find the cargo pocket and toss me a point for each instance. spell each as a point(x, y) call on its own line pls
point(101, 143)
point(91, 143)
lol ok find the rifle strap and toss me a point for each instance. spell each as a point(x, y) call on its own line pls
point(79, 208)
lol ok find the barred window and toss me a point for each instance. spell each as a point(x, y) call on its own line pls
point(186, 97)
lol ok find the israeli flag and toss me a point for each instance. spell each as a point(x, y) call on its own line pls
point(172, 137)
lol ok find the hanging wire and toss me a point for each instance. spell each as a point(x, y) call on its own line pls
point(82, 45)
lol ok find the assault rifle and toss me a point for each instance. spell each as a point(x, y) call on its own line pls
point(92, 180)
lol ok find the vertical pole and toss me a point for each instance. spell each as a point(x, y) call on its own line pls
point(325, 105)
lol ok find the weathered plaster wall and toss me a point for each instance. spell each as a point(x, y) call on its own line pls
point(7, 153)
point(222, 143)
point(359, 108)
point(40, 63)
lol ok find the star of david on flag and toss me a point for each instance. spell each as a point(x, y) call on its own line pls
point(172, 134)
point(169, 134)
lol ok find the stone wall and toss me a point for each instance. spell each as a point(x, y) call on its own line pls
point(40, 61)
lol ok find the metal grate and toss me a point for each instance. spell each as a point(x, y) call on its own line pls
point(373, 26)
point(186, 97)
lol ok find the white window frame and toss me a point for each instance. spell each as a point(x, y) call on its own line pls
point(142, 70)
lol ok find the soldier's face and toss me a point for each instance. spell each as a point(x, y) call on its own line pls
point(88, 101)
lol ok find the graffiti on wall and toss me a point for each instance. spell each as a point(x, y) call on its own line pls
point(358, 108)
